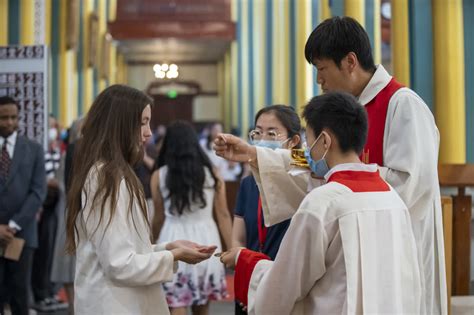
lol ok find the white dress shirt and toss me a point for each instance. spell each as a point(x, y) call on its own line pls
point(11, 141)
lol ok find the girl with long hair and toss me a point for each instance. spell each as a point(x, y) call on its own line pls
point(118, 269)
point(188, 193)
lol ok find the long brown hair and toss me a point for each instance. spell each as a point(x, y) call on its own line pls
point(111, 136)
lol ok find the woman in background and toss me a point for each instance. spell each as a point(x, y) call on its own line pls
point(118, 269)
point(276, 127)
point(228, 170)
point(188, 193)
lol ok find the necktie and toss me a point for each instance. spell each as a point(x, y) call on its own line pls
point(4, 161)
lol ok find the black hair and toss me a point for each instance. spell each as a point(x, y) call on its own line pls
point(335, 37)
point(186, 163)
point(286, 115)
point(342, 115)
point(5, 100)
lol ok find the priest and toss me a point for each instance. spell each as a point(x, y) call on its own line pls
point(403, 141)
point(349, 248)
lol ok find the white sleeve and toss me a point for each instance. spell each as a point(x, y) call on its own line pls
point(411, 144)
point(160, 246)
point(300, 262)
point(118, 248)
point(281, 192)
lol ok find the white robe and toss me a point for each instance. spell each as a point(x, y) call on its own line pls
point(344, 253)
point(119, 271)
point(410, 154)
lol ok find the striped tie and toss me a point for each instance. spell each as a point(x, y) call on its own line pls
point(4, 161)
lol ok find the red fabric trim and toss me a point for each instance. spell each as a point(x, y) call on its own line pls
point(243, 272)
point(377, 115)
point(262, 229)
point(360, 181)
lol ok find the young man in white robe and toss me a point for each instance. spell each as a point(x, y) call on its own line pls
point(403, 141)
point(350, 248)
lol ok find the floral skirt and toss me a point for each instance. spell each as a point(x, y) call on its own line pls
point(195, 284)
point(189, 288)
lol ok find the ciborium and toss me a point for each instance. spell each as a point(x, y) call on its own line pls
point(298, 159)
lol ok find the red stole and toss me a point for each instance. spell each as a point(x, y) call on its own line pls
point(377, 116)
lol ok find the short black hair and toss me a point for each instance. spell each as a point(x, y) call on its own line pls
point(342, 115)
point(5, 100)
point(286, 115)
point(335, 37)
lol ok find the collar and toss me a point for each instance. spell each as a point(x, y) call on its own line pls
point(11, 139)
point(379, 80)
point(357, 167)
point(358, 177)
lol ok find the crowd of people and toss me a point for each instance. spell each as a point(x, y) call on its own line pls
point(134, 221)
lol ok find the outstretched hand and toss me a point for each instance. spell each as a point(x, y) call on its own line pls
point(233, 148)
point(190, 252)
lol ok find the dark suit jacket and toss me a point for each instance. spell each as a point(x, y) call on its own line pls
point(23, 192)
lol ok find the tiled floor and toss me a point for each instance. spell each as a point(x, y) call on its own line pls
point(217, 308)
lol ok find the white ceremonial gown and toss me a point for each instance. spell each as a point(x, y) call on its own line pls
point(346, 252)
point(410, 154)
point(118, 270)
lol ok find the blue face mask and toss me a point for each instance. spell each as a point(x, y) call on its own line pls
point(271, 144)
point(319, 167)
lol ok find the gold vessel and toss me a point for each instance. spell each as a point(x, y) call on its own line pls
point(298, 159)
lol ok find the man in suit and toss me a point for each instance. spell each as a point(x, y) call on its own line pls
point(22, 192)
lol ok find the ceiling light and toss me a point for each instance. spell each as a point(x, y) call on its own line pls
point(160, 75)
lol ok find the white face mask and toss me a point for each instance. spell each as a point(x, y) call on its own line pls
point(52, 134)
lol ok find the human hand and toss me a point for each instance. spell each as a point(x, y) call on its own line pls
point(181, 243)
point(233, 148)
point(6, 234)
point(190, 245)
point(228, 258)
point(190, 256)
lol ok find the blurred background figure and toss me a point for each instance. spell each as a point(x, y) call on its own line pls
point(230, 171)
point(62, 272)
point(188, 194)
point(44, 290)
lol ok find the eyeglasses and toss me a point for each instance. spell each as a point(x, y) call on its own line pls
point(269, 135)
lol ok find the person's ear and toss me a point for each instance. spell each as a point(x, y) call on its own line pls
point(294, 141)
point(351, 61)
point(326, 140)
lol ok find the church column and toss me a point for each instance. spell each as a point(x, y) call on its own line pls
point(449, 90)
point(3, 22)
point(400, 41)
point(355, 9)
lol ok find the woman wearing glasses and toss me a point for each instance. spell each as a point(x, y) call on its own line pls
point(276, 127)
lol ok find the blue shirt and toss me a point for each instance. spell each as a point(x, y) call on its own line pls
point(247, 208)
